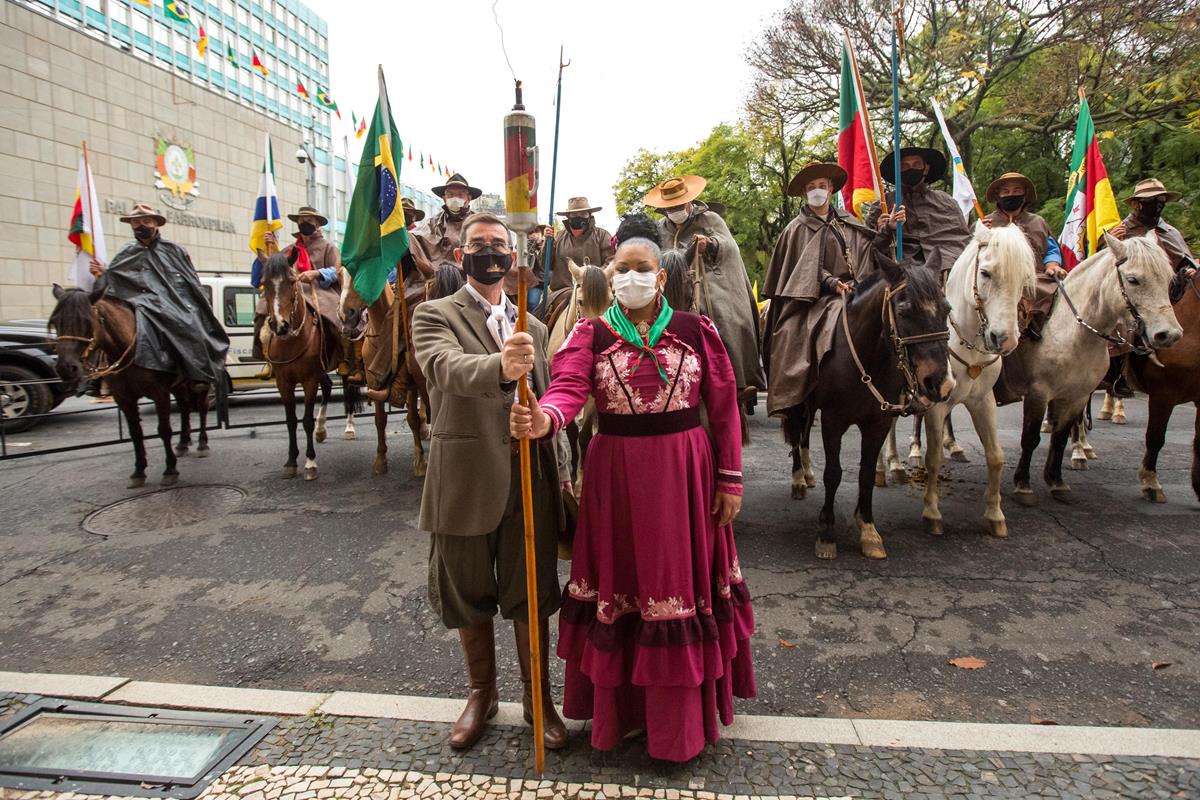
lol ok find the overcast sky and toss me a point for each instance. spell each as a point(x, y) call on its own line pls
point(643, 74)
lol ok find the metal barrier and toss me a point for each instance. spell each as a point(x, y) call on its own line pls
point(220, 404)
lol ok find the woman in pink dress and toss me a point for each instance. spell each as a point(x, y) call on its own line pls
point(656, 620)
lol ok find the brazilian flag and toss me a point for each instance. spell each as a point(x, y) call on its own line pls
point(176, 10)
point(376, 232)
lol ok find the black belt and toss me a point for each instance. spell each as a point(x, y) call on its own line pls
point(650, 424)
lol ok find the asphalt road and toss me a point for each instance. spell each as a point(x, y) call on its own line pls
point(321, 585)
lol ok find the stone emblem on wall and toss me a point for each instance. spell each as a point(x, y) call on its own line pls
point(175, 174)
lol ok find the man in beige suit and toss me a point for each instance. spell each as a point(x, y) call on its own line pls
point(471, 504)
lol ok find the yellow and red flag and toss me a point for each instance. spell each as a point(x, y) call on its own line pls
point(300, 90)
point(86, 231)
point(258, 65)
point(854, 155)
point(202, 44)
point(1091, 205)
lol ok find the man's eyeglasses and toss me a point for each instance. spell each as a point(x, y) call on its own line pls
point(499, 245)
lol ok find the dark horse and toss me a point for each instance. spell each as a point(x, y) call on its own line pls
point(97, 323)
point(392, 372)
point(892, 338)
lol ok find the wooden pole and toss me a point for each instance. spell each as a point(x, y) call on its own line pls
point(531, 592)
point(866, 121)
point(87, 196)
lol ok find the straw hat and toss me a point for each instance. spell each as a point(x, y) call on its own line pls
point(993, 190)
point(311, 212)
point(814, 170)
point(144, 210)
point(411, 212)
point(934, 158)
point(675, 191)
point(457, 180)
point(1152, 187)
point(578, 204)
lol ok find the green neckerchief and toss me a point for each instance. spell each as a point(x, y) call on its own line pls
point(620, 324)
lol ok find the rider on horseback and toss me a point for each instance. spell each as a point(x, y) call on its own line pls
point(1147, 202)
point(176, 329)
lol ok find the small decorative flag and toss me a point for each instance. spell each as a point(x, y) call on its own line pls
point(422, 161)
point(258, 65)
point(176, 10)
point(86, 232)
point(300, 90)
point(327, 102)
point(202, 45)
point(964, 192)
point(230, 56)
point(1091, 205)
point(360, 128)
point(146, 3)
point(410, 152)
point(266, 205)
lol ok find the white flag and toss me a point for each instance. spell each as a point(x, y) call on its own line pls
point(964, 192)
point(86, 233)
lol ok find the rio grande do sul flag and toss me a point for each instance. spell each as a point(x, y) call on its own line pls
point(852, 154)
point(1091, 206)
point(86, 232)
point(376, 233)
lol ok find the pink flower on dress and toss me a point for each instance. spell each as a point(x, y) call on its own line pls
point(667, 608)
point(580, 590)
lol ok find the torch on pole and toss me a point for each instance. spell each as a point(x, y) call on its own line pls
point(520, 199)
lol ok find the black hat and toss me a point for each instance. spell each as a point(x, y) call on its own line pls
point(934, 158)
point(457, 180)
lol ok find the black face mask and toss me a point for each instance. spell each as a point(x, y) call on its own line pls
point(143, 233)
point(911, 177)
point(477, 265)
point(1150, 211)
point(307, 228)
point(577, 224)
point(1011, 203)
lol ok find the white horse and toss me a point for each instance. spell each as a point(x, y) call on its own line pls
point(1126, 282)
point(983, 289)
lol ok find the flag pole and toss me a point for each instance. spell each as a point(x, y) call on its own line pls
point(87, 194)
point(866, 121)
point(896, 128)
point(553, 172)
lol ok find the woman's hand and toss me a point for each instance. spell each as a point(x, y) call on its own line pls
point(528, 422)
point(725, 506)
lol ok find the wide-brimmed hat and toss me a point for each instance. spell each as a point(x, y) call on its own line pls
point(934, 158)
point(457, 180)
point(675, 191)
point(814, 170)
point(1152, 187)
point(578, 204)
point(411, 212)
point(993, 190)
point(308, 211)
point(144, 210)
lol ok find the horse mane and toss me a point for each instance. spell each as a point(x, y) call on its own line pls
point(596, 295)
point(1141, 249)
point(677, 290)
point(924, 283)
point(1014, 253)
point(447, 280)
point(72, 312)
point(277, 268)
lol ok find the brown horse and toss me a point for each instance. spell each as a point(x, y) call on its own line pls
point(392, 372)
point(889, 356)
point(98, 324)
point(300, 351)
point(1173, 380)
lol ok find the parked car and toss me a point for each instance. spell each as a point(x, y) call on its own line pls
point(29, 386)
point(233, 299)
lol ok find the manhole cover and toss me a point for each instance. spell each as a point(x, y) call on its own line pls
point(168, 508)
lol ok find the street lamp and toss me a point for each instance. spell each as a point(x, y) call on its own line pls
point(305, 159)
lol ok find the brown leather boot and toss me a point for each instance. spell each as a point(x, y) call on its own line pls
point(358, 372)
point(554, 732)
point(479, 646)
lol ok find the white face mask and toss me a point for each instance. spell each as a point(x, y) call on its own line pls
point(818, 197)
point(455, 203)
point(635, 290)
point(678, 217)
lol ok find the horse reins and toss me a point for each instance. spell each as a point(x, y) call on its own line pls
point(111, 369)
point(297, 301)
point(1115, 338)
point(899, 344)
point(973, 370)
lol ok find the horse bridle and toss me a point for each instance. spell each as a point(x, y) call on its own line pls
point(973, 370)
point(297, 300)
point(1139, 322)
point(899, 344)
point(113, 368)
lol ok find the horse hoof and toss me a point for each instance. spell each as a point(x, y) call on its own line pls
point(933, 526)
point(136, 482)
point(419, 471)
point(873, 550)
point(1024, 495)
point(826, 551)
point(380, 468)
point(1104, 415)
point(203, 452)
point(899, 476)
point(310, 473)
point(289, 472)
point(182, 450)
point(998, 528)
point(170, 480)
point(1046, 426)
point(1079, 462)
point(319, 436)
point(1155, 495)
point(1118, 419)
point(349, 436)
point(1090, 452)
point(916, 462)
point(810, 481)
point(1060, 491)
point(957, 454)
point(881, 479)
point(799, 490)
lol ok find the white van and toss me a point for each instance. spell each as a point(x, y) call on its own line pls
point(233, 299)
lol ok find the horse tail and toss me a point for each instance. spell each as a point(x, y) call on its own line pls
point(678, 289)
point(352, 397)
point(446, 281)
